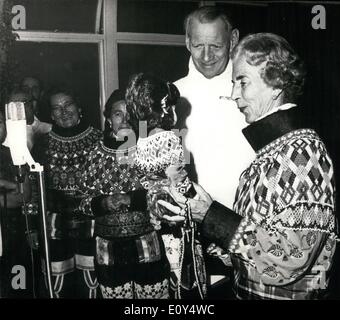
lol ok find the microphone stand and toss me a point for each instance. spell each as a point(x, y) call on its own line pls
point(16, 133)
point(2, 228)
point(36, 167)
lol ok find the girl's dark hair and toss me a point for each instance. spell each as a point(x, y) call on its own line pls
point(63, 89)
point(149, 98)
point(115, 96)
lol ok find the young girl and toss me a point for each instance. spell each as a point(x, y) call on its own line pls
point(160, 162)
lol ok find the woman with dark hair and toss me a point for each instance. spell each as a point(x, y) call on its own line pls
point(63, 152)
point(281, 232)
point(160, 162)
point(130, 257)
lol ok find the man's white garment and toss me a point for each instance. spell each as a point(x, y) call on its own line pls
point(214, 137)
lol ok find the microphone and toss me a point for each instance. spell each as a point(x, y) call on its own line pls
point(17, 138)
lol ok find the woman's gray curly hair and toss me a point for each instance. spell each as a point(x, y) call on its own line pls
point(283, 68)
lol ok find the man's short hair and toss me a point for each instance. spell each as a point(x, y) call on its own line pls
point(207, 14)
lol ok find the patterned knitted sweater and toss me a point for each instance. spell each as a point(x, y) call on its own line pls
point(109, 171)
point(281, 234)
point(156, 157)
point(63, 153)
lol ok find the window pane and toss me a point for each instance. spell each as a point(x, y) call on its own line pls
point(169, 63)
point(153, 16)
point(74, 65)
point(60, 15)
point(247, 18)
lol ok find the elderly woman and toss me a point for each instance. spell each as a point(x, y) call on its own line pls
point(63, 152)
point(130, 255)
point(281, 233)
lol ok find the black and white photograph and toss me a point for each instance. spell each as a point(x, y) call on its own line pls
point(183, 151)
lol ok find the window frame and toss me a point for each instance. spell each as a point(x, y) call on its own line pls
point(107, 42)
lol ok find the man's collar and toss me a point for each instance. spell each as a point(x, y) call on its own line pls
point(194, 72)
point(272, 127)
point(220, 85)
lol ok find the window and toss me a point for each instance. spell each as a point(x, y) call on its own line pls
point(168, 62)
point(73, 64)
point(153, 16)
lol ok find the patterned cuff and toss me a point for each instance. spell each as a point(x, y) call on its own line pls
point(220, 224)
point(191, 192)
point(184, 186)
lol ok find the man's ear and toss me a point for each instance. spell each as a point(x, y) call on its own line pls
point(187, 43)
point(234, 37)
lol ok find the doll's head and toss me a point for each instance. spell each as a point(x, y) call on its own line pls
point(151, 99)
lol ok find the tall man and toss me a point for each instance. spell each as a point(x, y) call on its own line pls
point(220, 151)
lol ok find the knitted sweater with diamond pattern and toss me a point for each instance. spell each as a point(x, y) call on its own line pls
point(63, 153)
point(281, 233)
point(108, 171)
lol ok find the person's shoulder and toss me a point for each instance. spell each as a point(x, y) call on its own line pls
point(180, 81)
point(183, 83)
point(44, 127)
point(302, 138)
point(96, 132)
point(161, 137)
point(44, 137)
point(303, 145)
